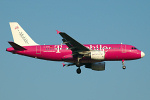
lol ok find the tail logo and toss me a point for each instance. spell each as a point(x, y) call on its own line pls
point(16, 27)
point(23, 37)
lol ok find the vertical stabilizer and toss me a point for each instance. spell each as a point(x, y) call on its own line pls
point(20, 36)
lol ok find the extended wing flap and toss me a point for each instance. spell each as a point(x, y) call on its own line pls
point(73, 45)
point(16, 46)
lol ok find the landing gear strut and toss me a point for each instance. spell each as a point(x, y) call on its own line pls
point(123, 67)
point(78, 64)
point(78, 70)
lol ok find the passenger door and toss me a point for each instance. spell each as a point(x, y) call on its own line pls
point(38, 49)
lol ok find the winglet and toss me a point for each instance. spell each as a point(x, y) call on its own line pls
point(58, 31)
point(64, 64)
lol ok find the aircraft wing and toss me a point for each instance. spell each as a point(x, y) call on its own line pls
point(73, 45)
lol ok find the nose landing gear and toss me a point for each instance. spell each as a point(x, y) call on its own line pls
point(123, 67)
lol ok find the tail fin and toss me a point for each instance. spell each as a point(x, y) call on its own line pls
point(20, 36)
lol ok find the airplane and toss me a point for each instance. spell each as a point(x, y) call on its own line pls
point(92, 56)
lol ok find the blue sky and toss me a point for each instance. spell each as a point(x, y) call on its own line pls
point(96, 21)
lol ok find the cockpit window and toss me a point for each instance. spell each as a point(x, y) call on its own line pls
point(134, 48)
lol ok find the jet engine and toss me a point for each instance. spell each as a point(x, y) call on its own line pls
point(98, 55)
point(98, 66)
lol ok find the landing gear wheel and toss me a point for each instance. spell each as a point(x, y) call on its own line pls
point(124, 67)
point(78, 70)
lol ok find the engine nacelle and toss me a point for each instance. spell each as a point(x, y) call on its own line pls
point(98, 66)
point(98, 55)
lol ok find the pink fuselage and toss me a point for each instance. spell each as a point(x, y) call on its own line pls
point(113, 52)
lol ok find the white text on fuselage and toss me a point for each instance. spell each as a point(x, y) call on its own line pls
point(58, 48)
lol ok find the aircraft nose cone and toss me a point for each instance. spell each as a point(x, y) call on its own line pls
point(142, 54)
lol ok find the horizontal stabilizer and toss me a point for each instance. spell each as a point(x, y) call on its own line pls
point(16, 46)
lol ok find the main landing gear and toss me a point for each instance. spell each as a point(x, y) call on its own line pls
point(78, 70)
point(123, 67)
point(78, 64)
